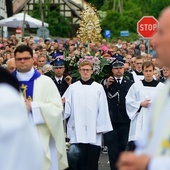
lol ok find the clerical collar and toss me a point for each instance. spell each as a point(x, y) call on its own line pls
point(25, 76)
point(138, 72)
point(61, 78)
point(152, 83)
point(88, 82)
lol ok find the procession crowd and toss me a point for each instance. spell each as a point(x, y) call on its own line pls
point(112, 114)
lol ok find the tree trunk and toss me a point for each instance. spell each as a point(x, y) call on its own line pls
point(114, 5)
point(41, 13)
point(120, 7)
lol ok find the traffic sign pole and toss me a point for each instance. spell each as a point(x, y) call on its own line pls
point(148, 46)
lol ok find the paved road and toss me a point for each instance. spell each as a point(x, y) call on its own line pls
point(103, 162)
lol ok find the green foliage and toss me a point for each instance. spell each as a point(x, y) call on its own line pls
point(58, 25)
point(157, 7)
point(133, 10)
point(120, 22)
point(96, 3)
point(112, 19)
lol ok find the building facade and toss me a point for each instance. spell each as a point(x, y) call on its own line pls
point(70, 9)
point(3, 14)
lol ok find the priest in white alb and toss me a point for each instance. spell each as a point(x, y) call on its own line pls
point(19, 144)
point(45, 108)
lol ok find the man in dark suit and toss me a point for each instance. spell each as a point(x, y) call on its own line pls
point(62, 82)
point(166, 74)
point(116, 88)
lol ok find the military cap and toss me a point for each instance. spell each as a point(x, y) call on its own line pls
point(118, 56)
point(118, 63)
point(58, 62)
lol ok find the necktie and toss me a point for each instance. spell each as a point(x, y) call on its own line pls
point(59, 81)
point(118, 81)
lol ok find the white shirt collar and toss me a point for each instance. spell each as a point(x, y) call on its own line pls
point(25, 76)
point(121, 78)
point(61, 78)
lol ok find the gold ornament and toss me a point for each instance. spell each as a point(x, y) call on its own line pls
point(23, 89)
point(90, 30)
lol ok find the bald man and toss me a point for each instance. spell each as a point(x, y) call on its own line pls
point(11, 65)
point(153, 152)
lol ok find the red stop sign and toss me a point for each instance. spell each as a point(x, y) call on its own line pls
point(147, 26)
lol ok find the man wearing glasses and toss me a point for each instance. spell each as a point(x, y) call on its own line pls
point(87, 109)
point(44, 107)
point(137, 73)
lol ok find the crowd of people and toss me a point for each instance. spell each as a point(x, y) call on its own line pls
point(45, 51)
point(112, 114)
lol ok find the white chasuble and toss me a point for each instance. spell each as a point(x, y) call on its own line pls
point(47, 116)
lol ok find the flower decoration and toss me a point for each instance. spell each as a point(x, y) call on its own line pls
point(101, 66)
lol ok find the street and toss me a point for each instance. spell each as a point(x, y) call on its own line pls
point(103, 162)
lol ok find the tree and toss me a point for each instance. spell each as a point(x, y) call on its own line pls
point(157, 7)
point(116, 21)
point(115, 5)
point(58, 24)
point(124, 15)
point(96, 3)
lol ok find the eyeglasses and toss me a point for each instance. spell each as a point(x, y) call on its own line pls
point(25, 59)
point(41, 61)
point(83, 70)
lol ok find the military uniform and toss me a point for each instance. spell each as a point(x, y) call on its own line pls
point(59, 81)
point(117, 139)
point(61, 85)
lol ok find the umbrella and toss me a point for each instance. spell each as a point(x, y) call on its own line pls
point(17, 21)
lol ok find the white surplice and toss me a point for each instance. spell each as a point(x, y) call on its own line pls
point(19, 144)
point(155, 140)
point(137, 94)
point(87, 109)
point(137, 77)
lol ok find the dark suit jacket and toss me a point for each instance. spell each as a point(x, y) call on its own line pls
point(116, 94)
point(129, 76)
point(61, 87)
point(162, 79)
